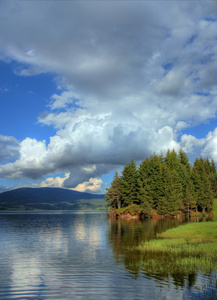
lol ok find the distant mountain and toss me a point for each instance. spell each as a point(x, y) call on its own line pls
point(50, 198)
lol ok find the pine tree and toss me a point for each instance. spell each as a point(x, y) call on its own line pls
point(184, 161)
point(113, 194)
point(189, 201)
point(169, 203)
point(167, 185)
point(155, 178)
point(144, 194)
point(202, 186)
point(207, 165)
point(187, 186)
point(212, 167)
point(213, 182)
point(178, 181)
point(213, 177)
point(129, 184)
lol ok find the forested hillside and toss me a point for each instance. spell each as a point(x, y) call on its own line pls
point(165, 185)
point(49, 198)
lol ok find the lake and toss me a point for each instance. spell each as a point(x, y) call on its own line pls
point(84, 255)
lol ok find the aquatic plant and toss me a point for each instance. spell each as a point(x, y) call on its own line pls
point(185, 249)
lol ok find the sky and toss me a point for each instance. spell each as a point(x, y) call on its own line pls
point(86, 86)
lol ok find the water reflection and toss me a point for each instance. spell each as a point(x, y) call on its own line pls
point(125, 235)
point(44, 253)
point(81, 256)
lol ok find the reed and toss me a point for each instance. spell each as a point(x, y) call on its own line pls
point(178, 265)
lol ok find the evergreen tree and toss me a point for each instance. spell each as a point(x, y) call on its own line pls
point(155, 178)
point(212, 167)
point(213, 177)
point(202, 186)
point(187, 186)
point(170, 201)
point(213, 182)
point(171, 159)
point(189, 200)
point(207, 166)
point(167, 184)
point(144, 194)
point(113, 194)
point(178, 173)
point(184, 161)
point(129, 184)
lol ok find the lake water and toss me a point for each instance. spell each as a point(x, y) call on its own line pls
point(84, 255)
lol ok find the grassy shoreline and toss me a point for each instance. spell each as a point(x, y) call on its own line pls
point(186, 249)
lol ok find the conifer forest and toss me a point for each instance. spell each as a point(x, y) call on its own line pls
point(165, 185)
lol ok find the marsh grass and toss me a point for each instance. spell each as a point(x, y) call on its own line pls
point(182, 250)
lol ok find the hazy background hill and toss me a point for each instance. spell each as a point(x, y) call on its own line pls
point(50, 198)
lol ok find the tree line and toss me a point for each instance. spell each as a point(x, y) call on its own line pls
point(166, 185)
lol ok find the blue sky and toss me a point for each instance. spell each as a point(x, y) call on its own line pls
point(86, 86)
point(23, 99)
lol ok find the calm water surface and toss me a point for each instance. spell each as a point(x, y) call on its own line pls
point(83, 255)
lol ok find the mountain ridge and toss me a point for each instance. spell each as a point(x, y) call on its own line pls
point(49, 198)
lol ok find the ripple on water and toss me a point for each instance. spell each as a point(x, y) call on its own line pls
point(79, 256)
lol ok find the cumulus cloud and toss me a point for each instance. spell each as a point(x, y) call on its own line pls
point(9, 149)
point(205, 147)
point(31, 155)
point(192, 145)
point(210, 149)
point(54, 181)
point(132, 77)
point(106, 49)
point(61, 101)
point(94, 185)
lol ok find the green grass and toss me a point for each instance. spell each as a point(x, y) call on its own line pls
point(185, 249)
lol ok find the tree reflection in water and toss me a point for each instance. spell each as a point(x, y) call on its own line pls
point(124, 235)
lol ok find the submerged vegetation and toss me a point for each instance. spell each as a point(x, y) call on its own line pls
point(164, 186)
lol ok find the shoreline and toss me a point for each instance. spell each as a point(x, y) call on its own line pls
point(135, 212)
point(191, 247)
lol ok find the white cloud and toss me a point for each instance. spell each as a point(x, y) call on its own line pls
point(205, 147)
point(190, 144)
point(181, 125)
point(9, 149)
point(60, 101)
point(94, 185)
point(210, 149)
point(30, 162)
point(133, 76)
point(32, 151)
point(165, 139)
point(54, 181)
